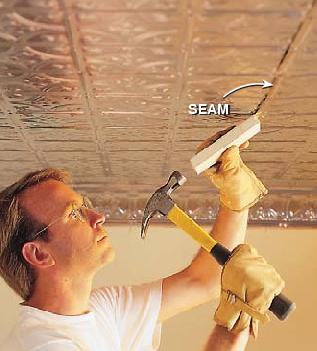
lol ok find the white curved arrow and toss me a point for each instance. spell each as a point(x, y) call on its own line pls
point(264, 84)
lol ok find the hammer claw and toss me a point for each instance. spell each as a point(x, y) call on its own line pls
point(145, 224)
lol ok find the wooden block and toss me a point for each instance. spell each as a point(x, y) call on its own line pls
point(236, 136)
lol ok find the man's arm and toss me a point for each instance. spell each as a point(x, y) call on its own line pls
point(239, 189)
point(229, 230)
point(199, 282)
point(223, 340)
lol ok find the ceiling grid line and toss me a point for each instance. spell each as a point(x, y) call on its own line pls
point(185, 43)
point(85, 85)
point(298, 37)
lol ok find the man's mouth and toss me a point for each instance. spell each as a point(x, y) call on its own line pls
point(102, 238)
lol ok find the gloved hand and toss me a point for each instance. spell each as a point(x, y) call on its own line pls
point(239, 188)
point(248, 286)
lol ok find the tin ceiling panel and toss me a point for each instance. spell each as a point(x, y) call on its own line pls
point(102, 88)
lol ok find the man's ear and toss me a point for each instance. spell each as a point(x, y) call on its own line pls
point(37, 255)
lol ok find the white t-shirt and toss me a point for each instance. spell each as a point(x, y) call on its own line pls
point(120, 319)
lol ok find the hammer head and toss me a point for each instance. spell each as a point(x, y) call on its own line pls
point(160, 201)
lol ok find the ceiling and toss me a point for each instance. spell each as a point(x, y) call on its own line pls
point(102, 88)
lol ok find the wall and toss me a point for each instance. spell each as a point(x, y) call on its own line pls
point(292, 251)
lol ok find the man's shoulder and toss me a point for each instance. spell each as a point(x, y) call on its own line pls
point(112, 294)
point(115, 299)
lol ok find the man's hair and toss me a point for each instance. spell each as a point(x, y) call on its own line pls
point(17, 227)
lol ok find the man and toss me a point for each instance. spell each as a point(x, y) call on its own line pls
point(52, 243)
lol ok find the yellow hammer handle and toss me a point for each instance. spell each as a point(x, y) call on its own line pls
point(180, 218)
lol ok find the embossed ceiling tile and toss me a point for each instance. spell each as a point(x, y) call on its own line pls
point(212, 88)
point(48, 98)
point(41, 92)
point(56, 134)
point(298, 120)
point(302, 87)
point(136, 168)
point(133, 134)
point(128, 22)
point(78, 165)
point(80, 156)
point(210, 122)
point(302, 174)
point(133, 119)
point(5, 122)
point(163, 5)
point(234, 61)
point(194, 134)
point(11, 70)
point(8, 133)
point(270, 145)
point(130, 156)
point(313, 147)
point(265, 170)
point(65, 145)
point(101, 60)
point(265, 156)
point(22, 25)
point(186, 170)
point(186, 140)
point(284, 133)
point(38, 9)
point(16, 156)
point(246, 29)
point(18, 169)
point(304, 62)
point(307, 167)
point(11, 145)
point(188, 145)
point(182, 156)
point(256, 6)
point(61, 72)
point(47, 44)
point(300, 106)
point(148, 85)
point(136, 145)
point(57, 120)
point(135, 43)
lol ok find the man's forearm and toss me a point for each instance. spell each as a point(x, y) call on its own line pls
point(229, 229)
point(223, 340)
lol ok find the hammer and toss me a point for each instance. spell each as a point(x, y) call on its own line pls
point(161, 202)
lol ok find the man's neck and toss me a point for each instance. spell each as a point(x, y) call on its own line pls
point(61, 295)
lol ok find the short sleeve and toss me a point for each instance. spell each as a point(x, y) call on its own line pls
point(136, 310)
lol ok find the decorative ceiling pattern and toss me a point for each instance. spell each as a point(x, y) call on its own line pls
point(102, 88)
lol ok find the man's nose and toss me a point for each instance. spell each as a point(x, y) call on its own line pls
point(96, 218)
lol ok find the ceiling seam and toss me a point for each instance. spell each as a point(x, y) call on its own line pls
point(85, 85)
point(297, 38)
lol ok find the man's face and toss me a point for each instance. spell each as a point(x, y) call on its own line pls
point(77, 246)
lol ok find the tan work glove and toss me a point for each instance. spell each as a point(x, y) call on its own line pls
point(248, 286)
point(239, 188)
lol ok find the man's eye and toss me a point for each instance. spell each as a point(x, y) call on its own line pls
point(74, 214)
